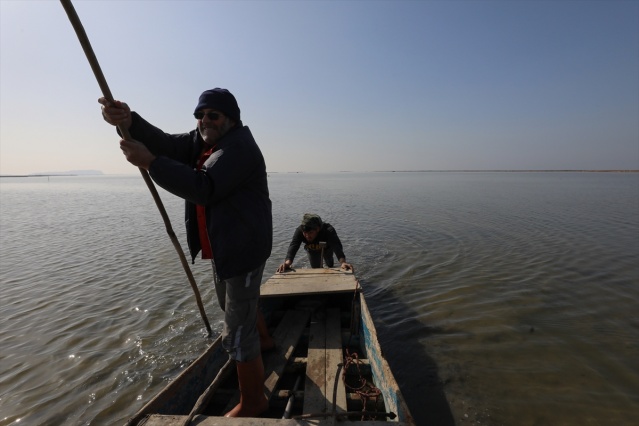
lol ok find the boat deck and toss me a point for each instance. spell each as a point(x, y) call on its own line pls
point(315, 341)
point(309, 282)
point(159, 420)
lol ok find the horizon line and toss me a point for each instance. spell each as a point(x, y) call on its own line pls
point(66, 174)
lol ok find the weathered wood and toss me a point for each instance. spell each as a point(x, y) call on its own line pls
point(298, 364)
point(159, 420)
point(315, 386)
point(184, 390)
point(204, 399)
point(286, 336)
point(309, 281)
point(285, 393)
point(382, 374)
point(166, 420)
point(329, 292)
point(324, 386)
point(335, 389)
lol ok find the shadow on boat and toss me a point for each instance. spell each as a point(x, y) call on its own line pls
point(415, 370)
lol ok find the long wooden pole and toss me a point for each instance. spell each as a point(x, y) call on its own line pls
point(95, 66)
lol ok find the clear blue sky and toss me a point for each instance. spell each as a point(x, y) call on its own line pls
point(332, 85)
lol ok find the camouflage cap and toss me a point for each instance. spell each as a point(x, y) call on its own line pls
point(311, 221)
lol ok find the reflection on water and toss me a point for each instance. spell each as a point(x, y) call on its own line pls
point(500, 298)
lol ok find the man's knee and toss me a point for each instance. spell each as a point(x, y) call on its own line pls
point(240, 337)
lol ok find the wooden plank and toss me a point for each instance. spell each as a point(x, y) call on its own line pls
point(204, 399)
point(286, 336)
point(309, 281)
point(382, 373)
point(200, 420)
point(315, 386)
point(335, 389)
point(165, 420)
point(183, 391)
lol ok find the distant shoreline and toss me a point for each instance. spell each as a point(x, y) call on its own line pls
point(376, 171)
point(25, 176)
point(475, 171)
point(509, 171)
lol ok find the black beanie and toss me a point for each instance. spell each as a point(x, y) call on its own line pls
point(222, 100)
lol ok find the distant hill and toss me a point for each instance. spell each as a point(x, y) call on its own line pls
point(70, 172)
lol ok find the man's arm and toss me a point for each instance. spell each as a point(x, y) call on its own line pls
point(296, 242)
point(336, 245)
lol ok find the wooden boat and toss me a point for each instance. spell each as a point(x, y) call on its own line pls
point(327, 366)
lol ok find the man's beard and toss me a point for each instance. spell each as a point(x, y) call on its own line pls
point(221, 130)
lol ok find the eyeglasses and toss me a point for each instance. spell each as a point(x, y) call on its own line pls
point(210, 115)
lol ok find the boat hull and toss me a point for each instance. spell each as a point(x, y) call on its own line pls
point(326, 344)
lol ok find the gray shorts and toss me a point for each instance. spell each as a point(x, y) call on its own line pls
point(238, 297)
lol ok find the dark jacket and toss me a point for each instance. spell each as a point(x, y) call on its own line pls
point(232, 185)
point(326, 234)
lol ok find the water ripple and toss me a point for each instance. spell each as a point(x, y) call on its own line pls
point(502, 298)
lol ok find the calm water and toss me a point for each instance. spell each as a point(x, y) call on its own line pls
point(500, 298)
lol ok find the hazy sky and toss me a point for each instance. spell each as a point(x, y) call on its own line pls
point(332, 85)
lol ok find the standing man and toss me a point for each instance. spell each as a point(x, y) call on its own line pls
point(320, 239)
point(219, 171)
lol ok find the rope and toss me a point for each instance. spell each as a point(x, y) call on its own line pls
point(366, 391)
